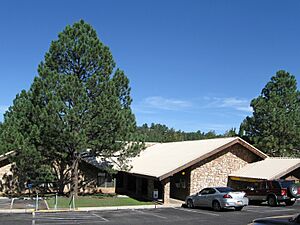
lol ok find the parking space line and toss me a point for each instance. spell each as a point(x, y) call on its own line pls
point(200, 212)
point(46, 219)
point(269, 210)
point(68, 223)
point(12, 203)
point(151, 214)
point(100, 217)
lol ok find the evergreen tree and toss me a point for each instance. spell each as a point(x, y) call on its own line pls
point(81, 105)
point(161, 133)
point(274, 126)
point(230, 133)
point(20, 133)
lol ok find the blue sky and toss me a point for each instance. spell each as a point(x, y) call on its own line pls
point(193, 65)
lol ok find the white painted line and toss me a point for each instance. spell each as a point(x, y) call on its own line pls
point(56, 218)
point(46, 203)
point(281, 210)
point(100, 217)
point(67, 216)
point(269, 210)
point(150, 214)
point(33, 218)
point(12, 203)
point(200, 212)
point(77, 222)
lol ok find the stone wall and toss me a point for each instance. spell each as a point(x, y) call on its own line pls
point(166, 188)
point(214, 171)
point(5, 180)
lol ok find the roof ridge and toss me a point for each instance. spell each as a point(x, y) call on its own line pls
point(208, 139)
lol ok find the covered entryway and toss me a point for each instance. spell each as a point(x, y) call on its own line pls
point(269, 169)
point(180, 183)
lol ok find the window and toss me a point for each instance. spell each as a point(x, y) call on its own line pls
point(224, 189)
point(284, 184)
point(211, 191)
point(105, 180)
point(101, 180)
point(204, 191)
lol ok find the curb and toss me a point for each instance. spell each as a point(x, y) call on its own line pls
point(16, 211)
point(86, 209)
point(111, 208)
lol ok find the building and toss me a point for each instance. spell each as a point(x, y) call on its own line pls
point(268, 169)
point(176, 169)
point(93, 177)
point(179, 169)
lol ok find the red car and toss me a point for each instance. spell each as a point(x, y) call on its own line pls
point(272, 191)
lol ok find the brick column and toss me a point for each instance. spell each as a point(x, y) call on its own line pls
point(166, 187)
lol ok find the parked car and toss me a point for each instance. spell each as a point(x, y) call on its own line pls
point(282, 220)
point(272, 191)
point(218, 198)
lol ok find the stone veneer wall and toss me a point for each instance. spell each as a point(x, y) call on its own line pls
point(166, 188)
point(214, 171)
point(4, 173)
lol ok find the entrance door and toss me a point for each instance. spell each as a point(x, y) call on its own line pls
point(179, 186)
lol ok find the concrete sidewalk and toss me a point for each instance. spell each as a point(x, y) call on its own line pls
point(104, 208)
point(85, 209)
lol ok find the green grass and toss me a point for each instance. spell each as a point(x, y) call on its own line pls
point(95, 201)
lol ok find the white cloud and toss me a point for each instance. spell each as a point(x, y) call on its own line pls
point(151, 104)
point(231, 102)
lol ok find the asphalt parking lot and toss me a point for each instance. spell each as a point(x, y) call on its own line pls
point(181, 216)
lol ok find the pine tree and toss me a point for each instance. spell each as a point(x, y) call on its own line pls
point(20, 133)
point(81, 103)
point(274, 126)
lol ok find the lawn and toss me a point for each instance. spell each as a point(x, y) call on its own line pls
point(95, 201)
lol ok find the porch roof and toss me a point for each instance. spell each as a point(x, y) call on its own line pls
point(270, 168)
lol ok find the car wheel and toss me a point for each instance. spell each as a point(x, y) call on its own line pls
point(293, 189)
point(216, 206)
point(290, 203)
point(272, 201)
point(239, 208)
point(190, 203)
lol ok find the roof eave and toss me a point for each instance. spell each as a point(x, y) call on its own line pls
point(290, 169)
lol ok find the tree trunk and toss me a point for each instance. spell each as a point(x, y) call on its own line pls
point(62, 178)
point(74, 182)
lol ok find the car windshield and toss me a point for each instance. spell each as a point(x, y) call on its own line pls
point(224, 189)
point(286, 183)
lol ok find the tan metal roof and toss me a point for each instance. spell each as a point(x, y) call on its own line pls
point(163, 160)
point(270, 168)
